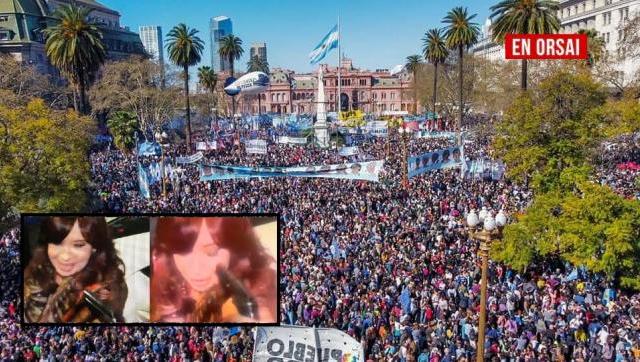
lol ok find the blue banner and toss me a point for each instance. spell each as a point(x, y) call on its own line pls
point(149, 149)
point(368, 171)
point(143, 181)
point(436, 160)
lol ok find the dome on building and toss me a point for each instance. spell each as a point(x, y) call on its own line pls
point(31, 7)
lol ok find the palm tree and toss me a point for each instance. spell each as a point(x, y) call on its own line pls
point(595, 46)
point(184, 49)
point(257, 64)
point(524, 17)
point(122, 126)
point(208, 78)
point(460, 33)
point(413, 63)
point(231, 49)
point(435, 52)
point(74, 46)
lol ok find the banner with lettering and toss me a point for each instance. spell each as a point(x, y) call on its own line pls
point(484, 168)
point(292, 140)
point(305, 344)
point(436, 160)
point(378, 128)
point(256, 147)
point(368, 171)
point(206, 145)
point(435, 134)
point(348, 151)
point(190, 159)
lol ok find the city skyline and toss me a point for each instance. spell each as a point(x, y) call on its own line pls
point(363, 27)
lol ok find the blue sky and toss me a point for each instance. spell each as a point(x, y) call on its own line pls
point(375, 33)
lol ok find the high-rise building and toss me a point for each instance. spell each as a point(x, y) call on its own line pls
point(22, 22)
point(151, 37)
point(219, 27)
point(259, 50)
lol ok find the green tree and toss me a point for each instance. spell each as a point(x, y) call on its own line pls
point(74, 46)
point(44, 162)
point(231, 49)
point(435, 52)
point(257, 64)
point(587, 225)
point(185, 50)
point(208, 79)
point(460, 33)
point(524, 17)
point(595, 46)
point(543, 133)
point(122, 126)
point(412, 64)
point(134, 85)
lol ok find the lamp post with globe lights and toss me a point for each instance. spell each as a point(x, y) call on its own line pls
point(405, 133)
point(491, 230)
point(161, 138)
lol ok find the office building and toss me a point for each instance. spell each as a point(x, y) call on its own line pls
point(219, 27)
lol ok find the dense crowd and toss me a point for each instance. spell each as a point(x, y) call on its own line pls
point(392, 266)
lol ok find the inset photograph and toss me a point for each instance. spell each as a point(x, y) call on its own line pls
point(85, 269)
point(220, 269)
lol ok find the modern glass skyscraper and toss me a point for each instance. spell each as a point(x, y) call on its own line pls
point(151, 37)
point(259, 50)
point(219, 27)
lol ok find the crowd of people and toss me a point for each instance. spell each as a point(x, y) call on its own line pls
point(389, 263)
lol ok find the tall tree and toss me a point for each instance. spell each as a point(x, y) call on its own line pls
point(74, 46)
point(412, 64)
point(122, 125)
point(185, 49)
point(208, 79)
point(595, 46)
point(257, 64)
point(231, 49)
point(460, 33)
point(435, 52)
point(524, 17)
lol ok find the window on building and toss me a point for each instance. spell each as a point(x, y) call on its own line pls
point(624, 13)
point(608, 2)
point(4, 18)
point(606, 17)
point(4, 35)
point(393, 95)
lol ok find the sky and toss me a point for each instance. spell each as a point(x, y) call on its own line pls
point(375, 33)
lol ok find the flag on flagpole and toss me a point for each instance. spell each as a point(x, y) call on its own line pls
point(327, 43)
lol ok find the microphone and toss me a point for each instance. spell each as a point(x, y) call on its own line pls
point(99, 307)
point(245, 304)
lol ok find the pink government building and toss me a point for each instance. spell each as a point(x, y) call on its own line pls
point(378, 92)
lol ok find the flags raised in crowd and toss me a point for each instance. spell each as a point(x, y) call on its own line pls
point(327, 43)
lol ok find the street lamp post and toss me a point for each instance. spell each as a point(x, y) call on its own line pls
point(492, 230)
point(161, 137)
point(405, 133)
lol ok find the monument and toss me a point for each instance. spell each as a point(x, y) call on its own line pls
point(320, 127)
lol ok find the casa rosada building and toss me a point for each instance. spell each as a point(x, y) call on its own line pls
point(370, 91)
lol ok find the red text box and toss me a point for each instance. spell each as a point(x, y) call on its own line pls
point(545, 46)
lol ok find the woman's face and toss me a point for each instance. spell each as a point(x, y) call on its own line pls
point(72, 254)
point(198, 266)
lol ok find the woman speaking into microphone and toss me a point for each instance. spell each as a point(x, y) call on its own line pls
point(211, 270)
point(75, 274)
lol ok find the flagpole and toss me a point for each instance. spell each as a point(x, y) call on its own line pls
point(339, 66)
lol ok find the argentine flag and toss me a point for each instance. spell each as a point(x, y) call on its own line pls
point(327, 43)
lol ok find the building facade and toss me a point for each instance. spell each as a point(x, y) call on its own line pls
point(607, 17)
point(151, 37)
point(219, 27)
point(259, 50)
point(22, 23)
point(370, 91)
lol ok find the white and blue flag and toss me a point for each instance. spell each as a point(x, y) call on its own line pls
point(327, 43)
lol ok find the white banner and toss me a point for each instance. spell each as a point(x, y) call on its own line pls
point(256, 147)
point(190, 159)
point(305, 344)
point(205, 146)
point(292, 140)
point(348, 151)
point(378, 128)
